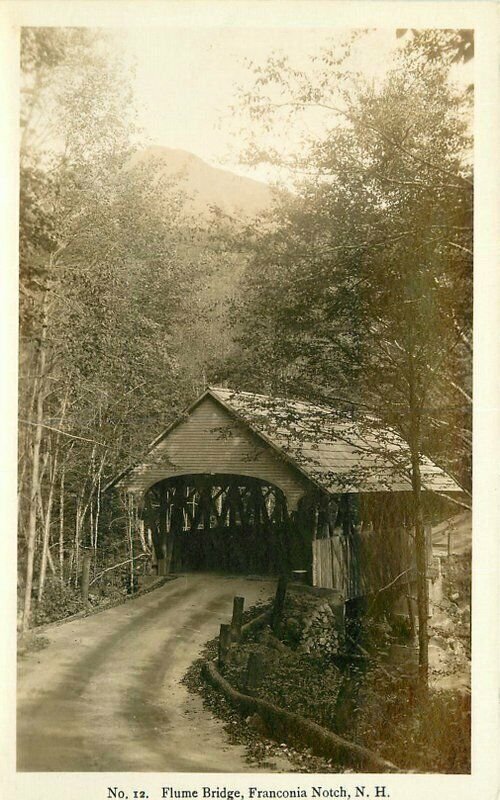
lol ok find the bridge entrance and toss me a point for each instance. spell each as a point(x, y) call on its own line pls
point(222, 522)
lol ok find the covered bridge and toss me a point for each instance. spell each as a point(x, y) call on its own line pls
point(255, 484)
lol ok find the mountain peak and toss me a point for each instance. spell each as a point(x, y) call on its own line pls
point(207, 186)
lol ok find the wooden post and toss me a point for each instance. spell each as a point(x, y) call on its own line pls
point(237, 620)
point(232, 490)
point(224, 643)
point(279, 603)
point(316, 522)
point(255, 671)
point(161, 566)
point(131, 510)
point(407, 565)
point(85, 577)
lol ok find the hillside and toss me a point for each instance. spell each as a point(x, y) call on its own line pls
point(205, 335)
point(208, 186)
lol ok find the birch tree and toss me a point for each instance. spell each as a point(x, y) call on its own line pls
point(101, 286)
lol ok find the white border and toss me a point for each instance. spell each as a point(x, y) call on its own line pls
point(483, 16)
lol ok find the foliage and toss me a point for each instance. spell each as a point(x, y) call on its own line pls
point(31, 643)
point(107, 267)
point(76, 125)
point(304, 686)
point(455, 45)
point(365, 274)
point(259, 750)
point(296, 682)
point(58, 602)
point(361, 285)
point(386, 713)
point(426, 736)
point(360, 280)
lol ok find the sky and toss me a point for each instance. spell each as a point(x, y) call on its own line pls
point(186, 81)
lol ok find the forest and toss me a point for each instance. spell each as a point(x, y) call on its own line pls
point(350, 282)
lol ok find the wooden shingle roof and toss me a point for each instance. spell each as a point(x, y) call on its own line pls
point(337, 451)
point(333, 449)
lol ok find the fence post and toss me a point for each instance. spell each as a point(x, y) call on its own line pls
point(224, 643)
point(428, 544)
point(279, 603)
point(237, 620)
point(255, 671)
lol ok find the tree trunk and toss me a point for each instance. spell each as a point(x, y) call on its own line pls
point(50, 562)
point(279, 604)
point(97, 513)
point(84, 588)
point(91, 524)
point(142, 536)
point(420, 545)
point(61, 524)
point(35, 467)
point(131, 525)
point(46, 531)
point(76, 546)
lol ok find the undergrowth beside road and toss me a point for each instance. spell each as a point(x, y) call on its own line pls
point(366, 700)
point(422, 735)
point(260, 749)
point(60, 603)
point(31, 643)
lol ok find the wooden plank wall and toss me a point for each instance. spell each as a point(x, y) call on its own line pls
point(330, 564)
point(210, 441)
point(361, 563)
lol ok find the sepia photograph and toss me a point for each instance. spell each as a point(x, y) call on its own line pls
point(244, 463)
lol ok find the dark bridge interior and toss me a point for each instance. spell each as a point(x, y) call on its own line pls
point(228, 523)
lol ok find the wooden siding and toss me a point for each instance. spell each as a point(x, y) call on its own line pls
point(362, 563)
point(330, 564)
point(209, 440)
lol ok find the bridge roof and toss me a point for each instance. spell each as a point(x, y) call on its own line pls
point(339, 450)
point(336, 450)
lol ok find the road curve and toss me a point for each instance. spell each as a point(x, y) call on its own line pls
point(105, 695)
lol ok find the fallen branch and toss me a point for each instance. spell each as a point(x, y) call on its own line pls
point(394, 580)
point(115, 566)
point(371, 658)
point(256, 622)
point(63, 433)
point(288, 726)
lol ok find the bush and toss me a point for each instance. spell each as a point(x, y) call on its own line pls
point(292, 680)
point(427, 735)
point(59, 601)
point(367, 702)
point(30, 643)
point(305, 686)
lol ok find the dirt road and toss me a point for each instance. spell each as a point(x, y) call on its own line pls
point(105, 695)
